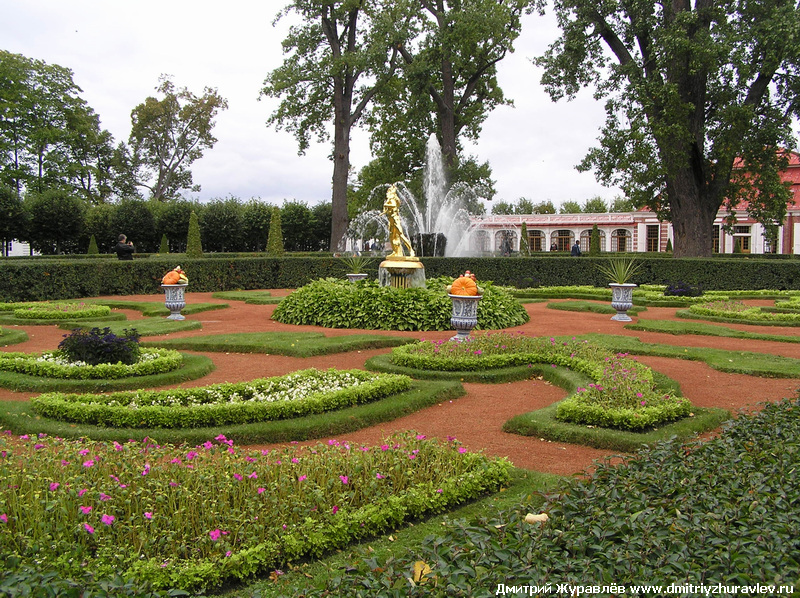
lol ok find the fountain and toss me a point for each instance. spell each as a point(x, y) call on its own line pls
point(439, 227)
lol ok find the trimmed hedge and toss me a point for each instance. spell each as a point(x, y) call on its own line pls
point(218, 404)
point(39, 278)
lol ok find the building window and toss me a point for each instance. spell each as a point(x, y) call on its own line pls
point(741, 237)
point(586, 240)
point(536, 240)
point(715, 240)
point(480, 241)
point(620, 240)
point(653, 237)
point(505, 241)
point(563, 240)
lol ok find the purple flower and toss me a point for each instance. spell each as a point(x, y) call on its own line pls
point(334, 510)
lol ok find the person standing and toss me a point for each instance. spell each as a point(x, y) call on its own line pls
point(124, 248)
point(576, 250)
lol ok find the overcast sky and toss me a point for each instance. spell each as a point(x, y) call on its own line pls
point(117, 51)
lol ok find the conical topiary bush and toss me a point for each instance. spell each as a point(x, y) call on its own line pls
point(194, 247)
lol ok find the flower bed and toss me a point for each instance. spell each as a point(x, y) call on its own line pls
point(52, 364)
point(736, 310)
point(300, 393)
point(622, 394)
point(54, 311)
point(193, 518)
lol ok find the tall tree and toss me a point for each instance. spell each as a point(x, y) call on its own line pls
point(168, 134)
point(55, 221)
point(595, 205)
point(49, 137)
point(452, 62)
point(12, 218)
point(691, 88)
point(337, 59)
point(570, 207)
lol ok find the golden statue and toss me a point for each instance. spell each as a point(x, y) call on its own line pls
point(391, 207)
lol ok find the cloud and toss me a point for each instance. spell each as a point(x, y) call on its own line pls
point(118, 50)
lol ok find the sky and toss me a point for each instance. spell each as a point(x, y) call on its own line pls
point(117, 51)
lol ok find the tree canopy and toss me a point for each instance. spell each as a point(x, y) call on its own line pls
point(692, 89)
point(167, 135)
point(49, 137)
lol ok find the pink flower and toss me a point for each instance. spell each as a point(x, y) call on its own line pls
point(439, 490)
point(88, 528)
point(384, 447)
point(420, 437)
point(379, 476)
point(83, 452)
point(208, 445)
point(334, 510)
point(148, 515)
point(191, 455)
point(238, 476)
point(82, 491)
point(295, 460)
point(54, 486)
point(89, 463)
point(301, 478)
point(85, 510)
point(117, 446)
point(345, 479)
point(262, 490)
point(64, 463)
point(104, 497)
point(462, 450)
point(107, 519)
point(253, 475)
point(228, 553)
point(146, 469)
point(215, 534)
point(38, 446)
point(176, 460)
point(4, 518)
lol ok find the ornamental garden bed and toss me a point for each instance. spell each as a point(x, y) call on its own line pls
point(282, 397)
point(610, 391)
point(196, 517)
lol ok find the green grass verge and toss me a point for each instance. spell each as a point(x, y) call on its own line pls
point(293, 344)
point(703, 329)
point(542, 423)
point(12, 337)
point(194, 366)
point(598, 308)
point(153, 309)
point(736, 362)
point(685, 313)
point(252, 297)
point(9, 320)
point(18, 417)
point(146, 327)
point(526, 487)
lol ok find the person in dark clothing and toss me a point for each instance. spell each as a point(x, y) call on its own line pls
point(124, 248)
point(576, 250)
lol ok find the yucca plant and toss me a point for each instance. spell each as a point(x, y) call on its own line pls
point(620, 270)
point(356, 264)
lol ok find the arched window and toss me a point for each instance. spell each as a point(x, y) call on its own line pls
point(621, 240)
point(586, 240)
point(536, 240)
point(505, 241)
point(480, 241)
point(563, 240)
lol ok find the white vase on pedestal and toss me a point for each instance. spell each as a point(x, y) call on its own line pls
point(174, 300)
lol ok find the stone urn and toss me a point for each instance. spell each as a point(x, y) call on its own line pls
point(622, 300)
point(174, 300)
point(356, 277)
point(465, 315)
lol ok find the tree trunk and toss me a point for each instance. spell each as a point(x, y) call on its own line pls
point(341, 169)
point(447, 117)
point(692, 212)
